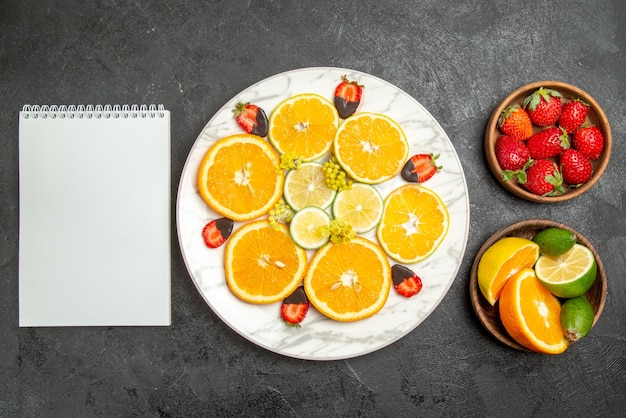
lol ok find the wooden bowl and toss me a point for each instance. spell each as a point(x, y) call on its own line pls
point(596, 117)
point(489, 315)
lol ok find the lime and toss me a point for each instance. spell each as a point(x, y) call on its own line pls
point(361, 206)
point(570, 274)
point(555, 241)
point(306, 186)
point(306, 227)
point(501, 261)
point(576, 318)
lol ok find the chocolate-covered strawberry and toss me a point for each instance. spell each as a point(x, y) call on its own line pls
point(295, 307)
point(405, 281)
point(347, 97)
point(251, 118)
point(420, 168)
point(217, 231)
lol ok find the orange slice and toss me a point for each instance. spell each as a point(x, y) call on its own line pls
point(531, 314)
point(371, 148)
point(238, 178)
point(414, 223)
point(260, 273)
point(502, 260)
point(348, 281)
point(303, 126)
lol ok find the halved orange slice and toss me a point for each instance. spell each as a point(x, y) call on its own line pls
point(531, 314)
point(262, 264)
point(238, 178)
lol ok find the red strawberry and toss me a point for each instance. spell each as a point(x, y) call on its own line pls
point(295, 307)
point(544, 178)
point(251, 118)
point(573, 115)
point(511, 153)
point(405, 281)
point(514, 121)
point(420, 168)
point(217, 231)
point(575, 167)
point(347, 97)
point(547, 143)
point(590, 141)
point(543, 106)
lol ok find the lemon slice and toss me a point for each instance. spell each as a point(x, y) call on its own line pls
point(568, 275)
point(306, 186)
point(501, 261)
point(306, 227)
point(361, 206)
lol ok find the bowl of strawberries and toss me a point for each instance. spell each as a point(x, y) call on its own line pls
point(548, 142)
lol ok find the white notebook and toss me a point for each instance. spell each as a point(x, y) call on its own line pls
point(94, 232)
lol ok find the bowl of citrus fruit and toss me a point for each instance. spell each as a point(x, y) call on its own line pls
point(538, 285)
point(322, 213)
point(548, 141)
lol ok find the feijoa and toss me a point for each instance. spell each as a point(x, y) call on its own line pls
point(576, 318)
point(554, 241)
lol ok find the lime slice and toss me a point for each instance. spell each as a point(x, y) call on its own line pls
point(568, 275)
point(361, 206)
point(306, 186)
point(306, 227)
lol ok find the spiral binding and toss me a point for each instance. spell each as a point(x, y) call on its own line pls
point(92, 112)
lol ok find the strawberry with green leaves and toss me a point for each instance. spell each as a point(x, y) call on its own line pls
point(515, 122)
point(543, 178)
point(589, 140)
point(420, 168)
point(251, 118)
point(573, 115)
point(575, 167)
point(548, 143)
point(294, 308)
point(347, 97)
point(544, 106)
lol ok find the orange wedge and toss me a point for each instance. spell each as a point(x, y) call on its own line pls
point(501, 261)
point(371, 147)
point(414, 222)
point(260, 273)
point(531, 314)
point(303, 126)
point(348, 281)
point(238, 178)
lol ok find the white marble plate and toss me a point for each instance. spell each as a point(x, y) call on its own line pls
point(321, 338)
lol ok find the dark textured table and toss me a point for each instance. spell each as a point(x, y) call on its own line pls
point(458, 59)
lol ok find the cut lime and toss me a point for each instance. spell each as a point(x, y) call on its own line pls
point(568, 275)
point(576, 318)
point(306, 186)
point(554, 241)
point(361, 206)
point(307, 225)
